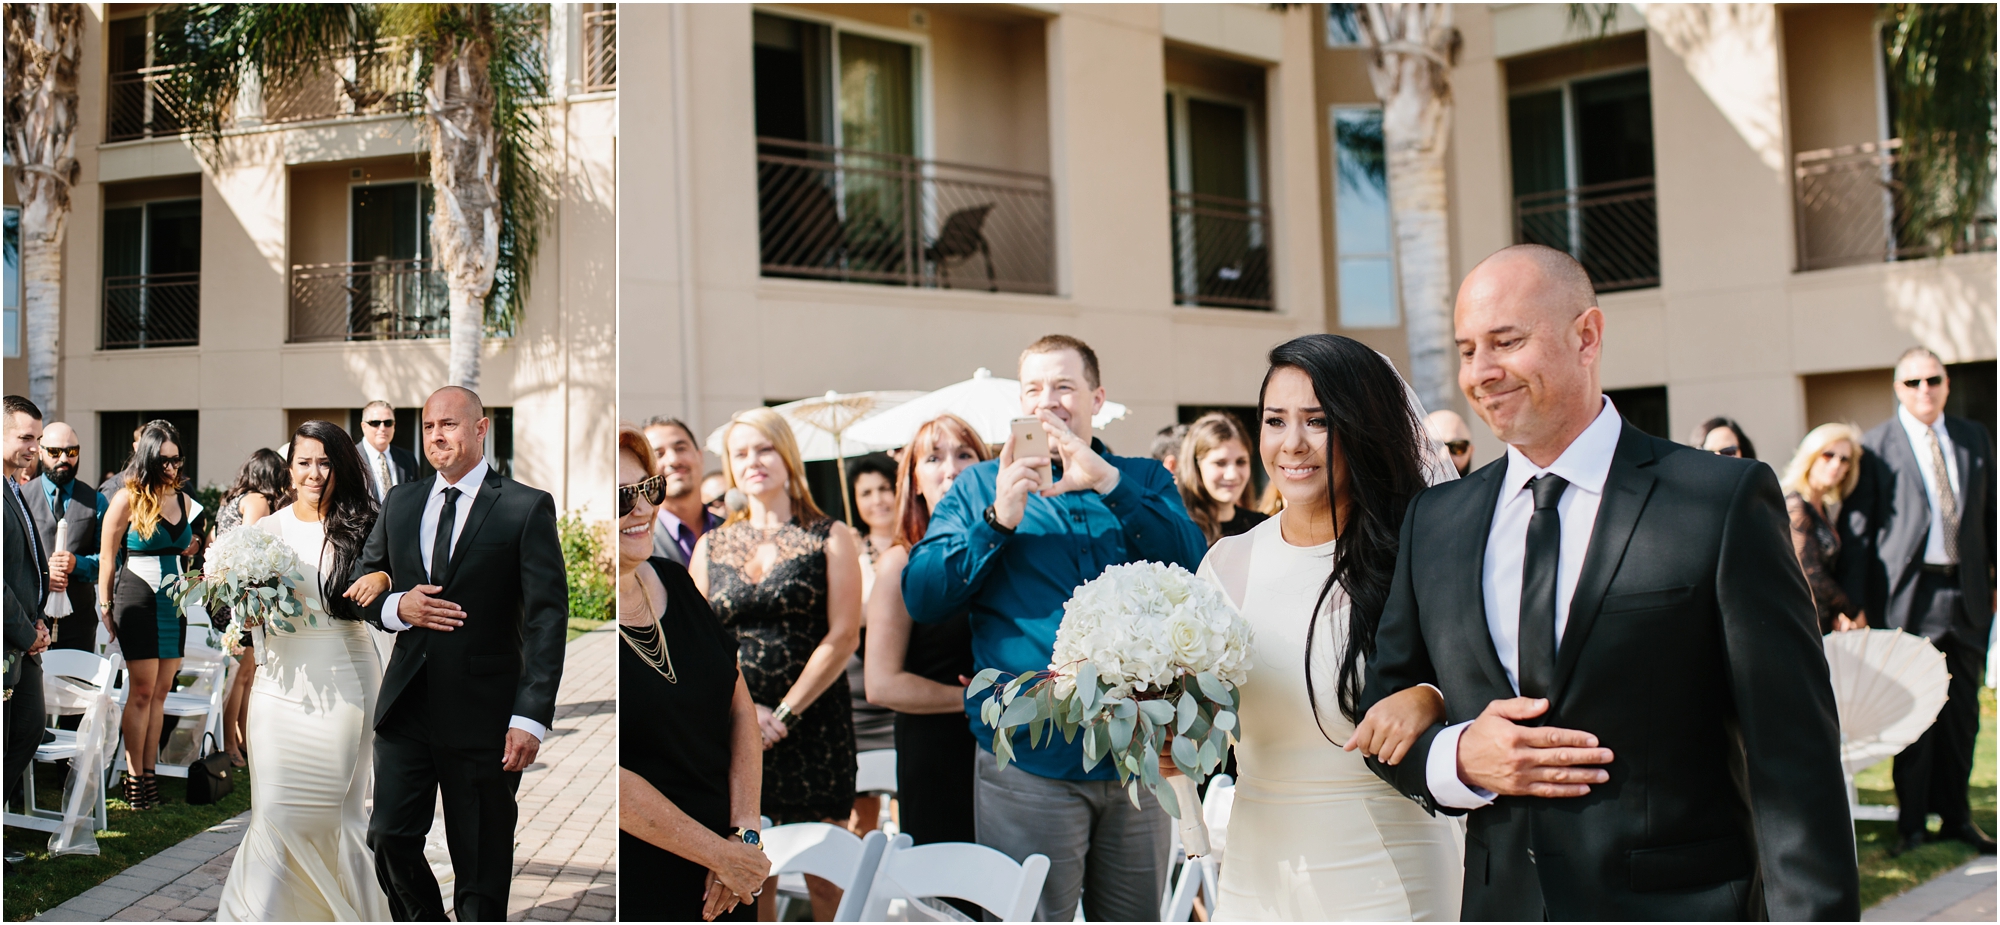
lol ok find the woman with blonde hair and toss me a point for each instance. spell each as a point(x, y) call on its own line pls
point(786, 579)
point(1821, 474)
point(1214, 476)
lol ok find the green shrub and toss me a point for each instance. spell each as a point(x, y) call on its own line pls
point(587, 560)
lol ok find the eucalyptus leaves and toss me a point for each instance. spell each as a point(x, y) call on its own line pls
point(1146, 662)
point(254, 574)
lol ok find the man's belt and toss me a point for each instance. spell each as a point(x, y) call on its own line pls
point(1945, 571)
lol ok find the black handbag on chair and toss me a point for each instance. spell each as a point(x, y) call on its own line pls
point(210, 778)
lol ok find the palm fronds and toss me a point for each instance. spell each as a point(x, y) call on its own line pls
point(214, 50)
point(1941, 66)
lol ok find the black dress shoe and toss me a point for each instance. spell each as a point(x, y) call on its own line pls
point(1969, 834)
point(1904, 843)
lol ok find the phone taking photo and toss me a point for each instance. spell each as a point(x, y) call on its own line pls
point(1030, 440)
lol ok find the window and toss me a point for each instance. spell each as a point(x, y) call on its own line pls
point(1363, 235)
point(390, 221)
point(1583, 175)
point(115, 430)
point(15, 288)
point(1644, 407)
point(1343, 26)
point(1221, 228)
point(152, 274)
point(822, 84)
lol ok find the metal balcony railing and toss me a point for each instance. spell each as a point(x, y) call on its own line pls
point(151, 310)
point(1851, 209)
point(143, 104)
point(600, 49)
point(1613, 229)
point(1222, 252)
point(867, 217)
point(375, 300)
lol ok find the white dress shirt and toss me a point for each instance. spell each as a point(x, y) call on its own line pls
point(369, 460)
point(468, 487)
point(1934, 553)
point(1585, 464)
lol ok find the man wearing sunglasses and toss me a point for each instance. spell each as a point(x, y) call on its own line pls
point(58, 496)
point(1448, 432)
point(1923, 514)
point(682, 518)
point(387, 464)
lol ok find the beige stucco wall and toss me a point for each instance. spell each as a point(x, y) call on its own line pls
point(703, 335)
point(280, 199)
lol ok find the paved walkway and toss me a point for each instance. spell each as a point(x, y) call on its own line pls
point(1964, 894)
point(564, 867)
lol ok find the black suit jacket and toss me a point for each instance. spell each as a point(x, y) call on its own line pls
point(1692, 652)
point(24, 582)
point(506, 571)
point(80, 510)
point(1888, 522)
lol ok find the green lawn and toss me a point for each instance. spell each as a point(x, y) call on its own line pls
point(44, 882)
point(579, 626)
point(1883, 876)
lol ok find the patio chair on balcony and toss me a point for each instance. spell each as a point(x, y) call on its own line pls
point(964, 235)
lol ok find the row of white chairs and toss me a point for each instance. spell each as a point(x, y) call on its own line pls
point(888, 879)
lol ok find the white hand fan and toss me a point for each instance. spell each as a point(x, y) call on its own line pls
point(1889, 686)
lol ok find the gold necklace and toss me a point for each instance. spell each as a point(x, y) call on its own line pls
point(654, 653)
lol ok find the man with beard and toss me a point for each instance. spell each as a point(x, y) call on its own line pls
point(682, 519)
point(58, 496)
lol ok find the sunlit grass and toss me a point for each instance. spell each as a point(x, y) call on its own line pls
point(1883, 876)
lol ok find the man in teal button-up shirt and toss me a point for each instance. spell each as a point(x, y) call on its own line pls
point(1011, 556)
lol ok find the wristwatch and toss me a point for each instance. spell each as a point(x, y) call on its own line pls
point(784, 714)
point(749, 837)
point(993, 520)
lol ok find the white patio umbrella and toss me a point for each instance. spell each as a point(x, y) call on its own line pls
point(985, 401)
point(820, 426)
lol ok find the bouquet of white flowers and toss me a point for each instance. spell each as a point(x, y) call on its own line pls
point(253, 573)
point(1146, 663)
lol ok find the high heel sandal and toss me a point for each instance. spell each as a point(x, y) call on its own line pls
point(135, 792)
point(151, 785)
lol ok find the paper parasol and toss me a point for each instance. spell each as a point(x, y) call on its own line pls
point(986, 402)
point(1889, 686)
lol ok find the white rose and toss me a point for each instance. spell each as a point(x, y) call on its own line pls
point(1189, 638)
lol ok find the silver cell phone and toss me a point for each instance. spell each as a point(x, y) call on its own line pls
point(1030, 440)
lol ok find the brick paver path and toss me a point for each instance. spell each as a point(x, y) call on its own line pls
point(564, 867)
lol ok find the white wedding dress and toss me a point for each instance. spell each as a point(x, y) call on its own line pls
point(305, 856)
point(1314, 834)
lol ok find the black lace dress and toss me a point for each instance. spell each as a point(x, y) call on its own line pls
point(808, 775)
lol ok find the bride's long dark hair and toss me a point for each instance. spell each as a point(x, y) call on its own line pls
point(1371, 423)
point(346, 508)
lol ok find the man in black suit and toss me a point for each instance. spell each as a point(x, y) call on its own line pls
point(480, 605)
point(29, 585)
point(58, 496)
point(1922, 511)
point(1639, 718)
point(387, 464)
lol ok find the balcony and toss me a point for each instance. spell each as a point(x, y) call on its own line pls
point(600, 50)
point(1613, 229)
point(867, 217)
point(1222, 254)
point(1851, 209)
point(151, 310)
point(376, 300)
point(145, 103)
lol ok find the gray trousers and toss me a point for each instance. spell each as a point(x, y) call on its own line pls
point(1097, 844)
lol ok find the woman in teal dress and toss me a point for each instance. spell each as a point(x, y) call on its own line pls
point(147, 528)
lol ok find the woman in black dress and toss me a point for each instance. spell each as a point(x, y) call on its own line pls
point(1822, 472)
point(1213, 472)
point(920, 671)
point(787, 579)
point(691, 758)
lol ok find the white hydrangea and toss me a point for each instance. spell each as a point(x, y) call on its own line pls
point(251, 557)
point(1143, 624)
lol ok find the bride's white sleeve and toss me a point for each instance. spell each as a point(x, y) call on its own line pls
point(1227, 565)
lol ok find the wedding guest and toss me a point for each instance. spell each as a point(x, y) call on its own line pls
point(1167, 446)
point(713, 487)
point(1924, 510)
point(919, 670)
point(1723, 437)
point(1448, 430)
point(29, 582)
point(1011, 554)
point(147, 526)
point(683, 516)
point(387, 464)
point(262, 486)
point(871, 482)
point(115, 479)
point(1215, 481)
point(692, 763)
point(787, 579)
point(57, 495)
point(1822, 473)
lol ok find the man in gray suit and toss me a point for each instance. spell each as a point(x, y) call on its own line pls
point(1922, 561)
point(682, 519)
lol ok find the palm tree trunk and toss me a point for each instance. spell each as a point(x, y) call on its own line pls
point(1414, 44)
point(465, 172)
point(44, 45)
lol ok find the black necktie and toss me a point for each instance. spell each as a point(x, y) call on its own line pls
point(441, 549)
point(1538, 589)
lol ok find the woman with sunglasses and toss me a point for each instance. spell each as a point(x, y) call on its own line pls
point(691, 768)
point(147, 525)
point(1824, 471)
point(1723, 437)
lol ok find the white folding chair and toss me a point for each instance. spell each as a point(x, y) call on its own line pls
point(72, 682)
point(875, 775)
point(828, 852)
point(954, 870)
point(1202, 876)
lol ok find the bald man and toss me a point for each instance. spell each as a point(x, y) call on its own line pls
point(1639, 721)
point(480, 606)
point(1448, 431)
point(58, 495)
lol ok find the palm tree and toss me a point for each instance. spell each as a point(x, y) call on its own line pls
point(44, 46)
point(480, 70)
point(1940, 59)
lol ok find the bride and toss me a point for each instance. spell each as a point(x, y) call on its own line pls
point(1314, 834)
point(305, 855)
